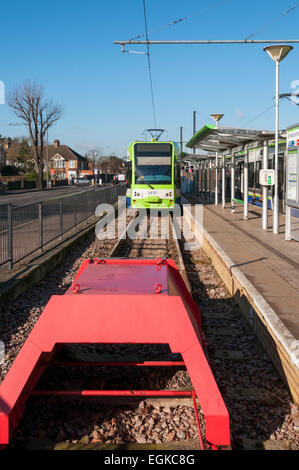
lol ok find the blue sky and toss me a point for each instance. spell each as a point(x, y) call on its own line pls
point(67, 46)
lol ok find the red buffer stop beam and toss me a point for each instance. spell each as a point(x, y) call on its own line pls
point(117, 303)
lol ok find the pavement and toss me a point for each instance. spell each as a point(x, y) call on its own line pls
point(261, 272)
point(268, 261)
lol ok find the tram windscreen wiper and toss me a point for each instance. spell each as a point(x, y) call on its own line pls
point(150, 186)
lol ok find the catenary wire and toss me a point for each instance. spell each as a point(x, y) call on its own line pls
point(285, 13)
point(149, 65)
point(179, 20)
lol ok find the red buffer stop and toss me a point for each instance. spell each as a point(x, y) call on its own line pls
point(119, 301)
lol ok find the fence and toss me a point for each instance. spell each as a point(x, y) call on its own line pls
point(27, 228)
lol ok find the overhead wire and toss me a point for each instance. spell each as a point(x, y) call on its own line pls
point(285, 13)
point(259, 115)
point(262, 113)
point(179, 20)
point(149, 65)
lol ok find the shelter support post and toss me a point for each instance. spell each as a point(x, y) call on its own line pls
point(232, 185)
point(246, 157)
point(223, 181)
point(206, 179)
point(265, 188)
point(211, 180)
point(216, 180)
point(196, 181)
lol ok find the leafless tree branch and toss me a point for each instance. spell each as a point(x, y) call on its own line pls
point(38, 114)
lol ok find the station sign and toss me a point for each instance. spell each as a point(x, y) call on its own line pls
point(267, 177)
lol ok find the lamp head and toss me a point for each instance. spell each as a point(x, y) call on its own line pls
point(278, 52)
point(217, 117)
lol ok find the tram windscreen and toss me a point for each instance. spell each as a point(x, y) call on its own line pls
point(153, 163)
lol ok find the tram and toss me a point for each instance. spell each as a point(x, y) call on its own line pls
point(153, 175)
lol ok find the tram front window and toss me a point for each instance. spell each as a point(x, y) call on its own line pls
point(153, 163)
point(152, 174)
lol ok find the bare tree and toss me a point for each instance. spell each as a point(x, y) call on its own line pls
point(39, 115)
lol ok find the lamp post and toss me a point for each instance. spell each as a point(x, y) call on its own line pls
point(47, 159)
point(277, 53)
point(216, 118)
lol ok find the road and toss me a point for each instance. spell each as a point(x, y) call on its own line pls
point(19, 198)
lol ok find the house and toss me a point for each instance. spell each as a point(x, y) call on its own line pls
point(65, 163)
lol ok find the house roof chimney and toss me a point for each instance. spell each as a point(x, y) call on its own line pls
point(56, 143)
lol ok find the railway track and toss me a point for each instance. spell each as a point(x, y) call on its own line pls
point(260, 408)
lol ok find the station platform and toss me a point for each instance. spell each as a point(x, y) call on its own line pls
point(261, 271)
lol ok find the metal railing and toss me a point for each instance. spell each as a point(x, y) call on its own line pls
point(27, 228)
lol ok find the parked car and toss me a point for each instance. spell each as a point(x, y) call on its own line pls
point(84, 180)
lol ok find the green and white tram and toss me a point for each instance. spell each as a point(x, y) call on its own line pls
point(153, 175)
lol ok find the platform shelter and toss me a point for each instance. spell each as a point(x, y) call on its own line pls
point(224, 146)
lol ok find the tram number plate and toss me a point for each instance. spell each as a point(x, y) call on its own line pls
point(152, 193)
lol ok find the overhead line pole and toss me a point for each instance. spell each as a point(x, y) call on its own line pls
point(241, 41)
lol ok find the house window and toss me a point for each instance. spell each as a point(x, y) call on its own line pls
point(72, 164)
point(58, 161)
point(58, 164)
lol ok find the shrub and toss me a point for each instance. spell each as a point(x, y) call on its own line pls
point(31, 176)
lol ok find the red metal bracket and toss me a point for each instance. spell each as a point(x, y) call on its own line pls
point(118, 305)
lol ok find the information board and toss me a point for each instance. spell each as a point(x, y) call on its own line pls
point(267, 177)
point(292, 167)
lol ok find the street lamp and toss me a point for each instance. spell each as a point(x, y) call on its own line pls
point(47, 160)
point(277, 53)
point(216, 118)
